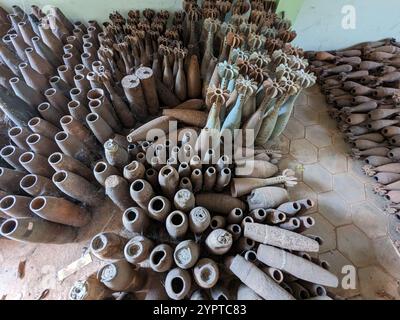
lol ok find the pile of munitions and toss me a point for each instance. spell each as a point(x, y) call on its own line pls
point(362, 86)
point(85, 102)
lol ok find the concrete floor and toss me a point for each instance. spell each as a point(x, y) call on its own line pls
point(349, 217)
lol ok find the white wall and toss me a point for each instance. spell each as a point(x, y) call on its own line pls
point(319, 23)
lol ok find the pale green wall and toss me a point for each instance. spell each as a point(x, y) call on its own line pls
point(291, 8)
point(96, 9)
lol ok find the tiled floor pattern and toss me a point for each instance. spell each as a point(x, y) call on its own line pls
point(349, 218)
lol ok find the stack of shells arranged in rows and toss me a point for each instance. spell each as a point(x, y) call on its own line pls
point(361, 84)
point(82, 101)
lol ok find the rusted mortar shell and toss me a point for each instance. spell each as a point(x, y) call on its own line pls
point(245, 220)
point(103, 110)
point(133, 149)
point(81, 81)
point(222, 163)
point(87, 60)
point(186, 254)
point(11, 155)
point(235, 230)
point(299, 292)
point(18, 135)
point(223, 179)
point(279, 237)
point(116, 155)
point(246, 294)
point(60, 162)
point(60, 210)
point(121, 276)
point(320, 298)
point(210, 178)
point(290, 208)
point(36, 164)
point(244, 244)
point(257, 168)
point(306, 222)
point(138, 249)
point(178, 284)
point(141, 192)
point(168, 178)
point(197, 180)
point(393, 196)
point(73, 147)
point(133, 171)
point(275, 216)
point(43, 127)
point(267, 197)
point(217, 222)
point(135, 220)
point(108, 246)
point(75, 128)
point(10, 180)
point(244, 186)
point(66, 74)
point(192, 104)
point(135, 95)
point(141, 157)
point(250, 256)
point(41, 145)
point(77, 188)
point(258, 281)
point(291, 224)
point(259, 215)
point(148, 83)
point(99, 127)
point(16, 206)
point(219, 242)
point(184, 170)
point(219, 203)
point(195, 163)
point(315, 290)
point(306, 204)
point(39, 186)
point(275, 274)
point(189, 117)
point(140, 134)
point(57, 100)
point(199, 295)
point(50, 113)
point(184, 200)
point(177, 224)
point(199, 220)
point(117, 189)
point(89, 289)
point(36, 230)
point(185, 183)
point(296, 266)
point(161, 258)
point(206, 273)
point(222, 291)
point(102, 171)
point(235, 216)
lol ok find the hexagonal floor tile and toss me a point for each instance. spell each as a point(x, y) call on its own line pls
point(324, 230)
point(375, 284)
point(295, 129)
point(302, 191)
point(337, 261)
point(317, 102)
point(319, 136)
point(327, 122)
point(306, 115)
point(332, 160)
point(314, 90)
point(340, 144)
point(304, 151)
point(318, 178)
point(388, 256)
point(349, 187)
point(369, 219)
point(355, 246)
point(333, 207)
point(302, 99)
